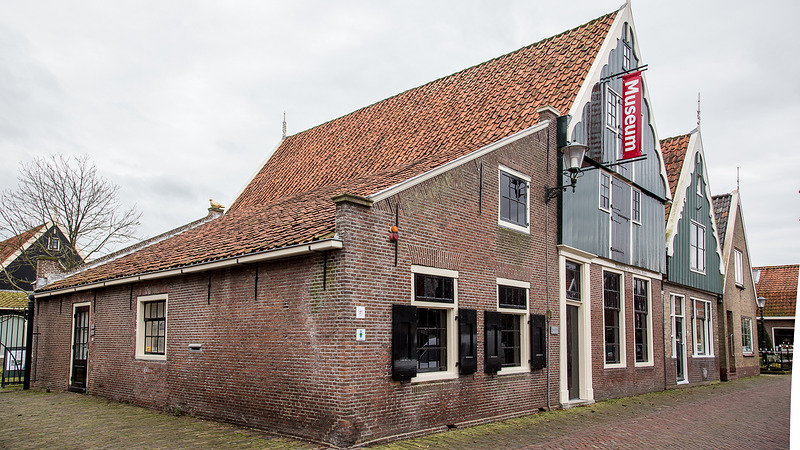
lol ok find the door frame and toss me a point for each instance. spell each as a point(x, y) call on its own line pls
point(75, 306)
point(586, 393)
point(684, 358)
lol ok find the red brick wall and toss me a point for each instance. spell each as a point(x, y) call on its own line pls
point(630, 379)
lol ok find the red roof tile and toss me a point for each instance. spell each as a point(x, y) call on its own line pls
point(289, 200)
point(11, 245)
point(674, 151)
point(437, 122)
point(722, 206)
point(778, 284)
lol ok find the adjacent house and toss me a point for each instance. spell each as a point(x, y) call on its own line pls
point(779, 285)
point(421, 263)
point(738, 338)
point(19, 256)
point(694, 281)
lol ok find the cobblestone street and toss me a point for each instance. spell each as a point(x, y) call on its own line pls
point(749, 414)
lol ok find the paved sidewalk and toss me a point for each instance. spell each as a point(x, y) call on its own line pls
point(751, 413)
point(64, 420)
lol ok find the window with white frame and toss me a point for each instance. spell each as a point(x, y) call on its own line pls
point(605, 191)
point(697, 247)
point(614, 120)
point(702, 328)
point(151, 327)
point(612, 316)
point(573, 281)
point(739, 269)
point(636, 206)
point(512, 303)
point(53, 243)
point(641, 319)
point(514, 199)
point(747, 335)
point(435, 298)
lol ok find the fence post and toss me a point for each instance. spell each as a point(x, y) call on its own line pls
point(26, 384)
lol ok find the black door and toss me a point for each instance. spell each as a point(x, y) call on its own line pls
point(573, 361)
point(80, 349)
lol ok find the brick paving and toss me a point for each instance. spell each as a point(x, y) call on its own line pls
point(752, 413)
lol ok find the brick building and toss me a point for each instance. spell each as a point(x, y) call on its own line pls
point(694, 281)
point(738, 336)
point(779, 285)
point(400, 269)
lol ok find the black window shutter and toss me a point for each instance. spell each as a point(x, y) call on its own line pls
point(538, 341)
point(404, 342)
point(468, 341)
point(492, 326)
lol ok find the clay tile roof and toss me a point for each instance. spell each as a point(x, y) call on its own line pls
point(779, 285)
point(13, 300)
point(11, 245)
point(674, 151)
point(722, 206)
point(439, 121)
point(289, 200)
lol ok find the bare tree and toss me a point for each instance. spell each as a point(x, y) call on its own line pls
point(69, 192)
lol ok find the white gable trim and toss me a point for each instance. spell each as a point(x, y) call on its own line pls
point(595, 72)
point(411, 182)
point(27, 244)
point(694, 147)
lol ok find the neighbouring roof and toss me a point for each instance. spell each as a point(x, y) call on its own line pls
point(437, 122)
point(722, 206)
point(13, 300)
point(778, 284)
point(674, 151)
point(289, 200)
point(13, 244)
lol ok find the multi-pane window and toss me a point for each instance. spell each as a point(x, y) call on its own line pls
point(53, 243)
point(605, 191)
point(613, 110)
point(626, 56)
point(431, 340)
point(612, 306)
point(512, 303)
point(573, 281)
point(432, 323)
point(747, 335)
point(702, 327)
point(697, 247)
point(155, 327)
point(636, 205)
point(513, 199)
point(641, 309)
point(739, 269)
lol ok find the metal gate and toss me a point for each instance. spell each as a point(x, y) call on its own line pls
point(16, 336)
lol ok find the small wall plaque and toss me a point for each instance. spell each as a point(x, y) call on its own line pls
point(361, 334)
point(554, 329)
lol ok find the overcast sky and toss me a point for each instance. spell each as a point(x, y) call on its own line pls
point(180, 101)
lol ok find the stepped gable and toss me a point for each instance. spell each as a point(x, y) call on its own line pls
point(437, 122)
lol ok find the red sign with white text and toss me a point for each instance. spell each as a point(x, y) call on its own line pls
point(632, 115)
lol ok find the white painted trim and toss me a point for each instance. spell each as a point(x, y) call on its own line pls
point(411, 182)
point(527, 228)
point(524, 329)
point(778, 317)
point(684, 356)
point(604, 174)
point(72, 340)
point(139, 347)
point(623, 325)
point(45, 228)
point(586, 391)
point(283, 252)
point(709, 330)
point(650, 356)
point(705, 250)
point(452, 325)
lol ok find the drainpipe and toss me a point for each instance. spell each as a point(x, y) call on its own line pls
point(664, 338)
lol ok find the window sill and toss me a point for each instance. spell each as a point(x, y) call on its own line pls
point(614, 366)
point(514, 227)
point(151, 357)
point(748, 354)
point(514, 370)
point(644, 364)
point(703, 356)
point(434, 376)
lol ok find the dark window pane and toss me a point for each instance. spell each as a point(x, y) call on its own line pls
point(513, 199)
point(431, 288)
point(510, 340)
point(611, 299)
point(431, 339)
point(513, 297)
point(573, 281)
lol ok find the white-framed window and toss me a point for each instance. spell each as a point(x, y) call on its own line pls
point(435, 294)
point(512, 303)
point(747, 335)
point(614, 120)
point(572, 272)
point(697, 247)
point(53, 243)
point(151, 327)
point(626, 56)
point(642, 322)
point(514, 200)
point(636, 206)
point(738, 267)
point(613, 319)
point(605, 192)
point(699, 185)
point(703, 337)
